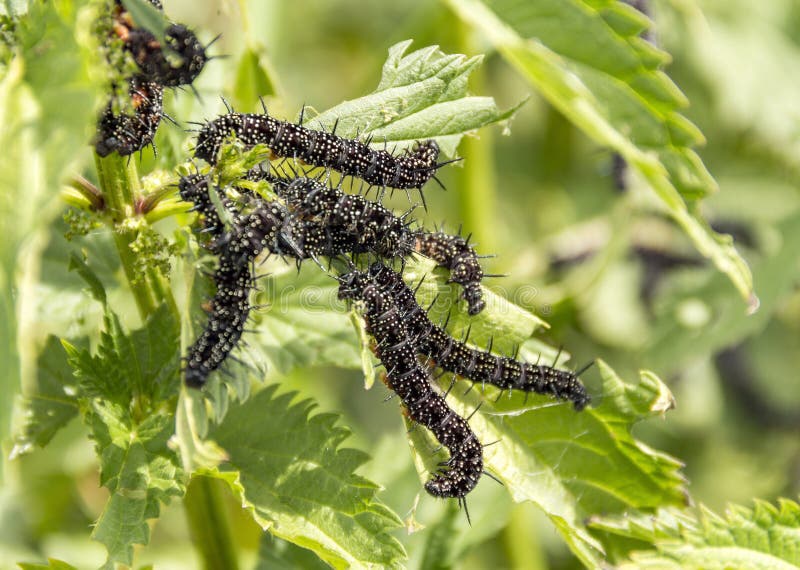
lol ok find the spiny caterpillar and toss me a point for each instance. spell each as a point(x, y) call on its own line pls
point(477, 365)
point(126, 132)
point(370, 227)
point(377, 230)
point(455, 253)
point(410, 380)
point(317, 220)
point(195, 189)
point(154, 60)
point(412, 169)
point(177, 63)
point(230, 307)
point(133, 127)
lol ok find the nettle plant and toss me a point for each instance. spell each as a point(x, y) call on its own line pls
point(187, 239)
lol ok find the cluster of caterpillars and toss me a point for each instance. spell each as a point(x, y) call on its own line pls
point(128, 124)
point(310, 218)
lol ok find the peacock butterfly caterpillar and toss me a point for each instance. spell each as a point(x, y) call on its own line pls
point(410, 380)
point(412, 169)
point(477, 365)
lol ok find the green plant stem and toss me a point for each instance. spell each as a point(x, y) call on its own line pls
point(119, 183)
point(476, 184)
point(209, 524)
point(520, 539)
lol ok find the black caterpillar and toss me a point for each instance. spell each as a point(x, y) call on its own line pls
point(177, 63)
point(154, 61)
point(411, 381)
point(133, 127)
point(316, 148)
point(269, 227)
point(477, 365)
point(125, 132)
point(455, 253)
point(318, 220)
point(369, 227)
point(230, 307)
point(194, 188)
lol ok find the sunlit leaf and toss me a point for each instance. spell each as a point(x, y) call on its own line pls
point(124, 392)
point(422, 95)
point(762, 537)
point(290, 470)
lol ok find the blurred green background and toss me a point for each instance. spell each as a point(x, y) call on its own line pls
point(613, 277)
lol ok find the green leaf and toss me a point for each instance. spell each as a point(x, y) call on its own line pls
point(368, 360)
point(139, 469)
point(586, 59)
point(147, 16)
point(502, 322)
point(289, 469)
point(125, 391)
point(82, 268)
point(573, 464)
point(762, 537)
point(253, 79)
point(421, 95)
point(51, 405)
point(304, 323)
point(141, 367)
point(277, 554)
point(52, 564)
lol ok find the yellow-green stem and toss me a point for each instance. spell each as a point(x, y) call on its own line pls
point(520, 538)
point(119, 183)
point(476, 184)
point(209, 524)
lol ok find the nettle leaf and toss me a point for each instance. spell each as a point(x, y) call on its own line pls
point(586, 58)
point(303, 324)
point(762, 537)
point(52, 405)
point(507, 325)
point(139, 469)
point(277, 554)
point(289, 469)
point(125, 391)
point(141, 367)
point(52, 564)
point(421, 95)
point(571, 464)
